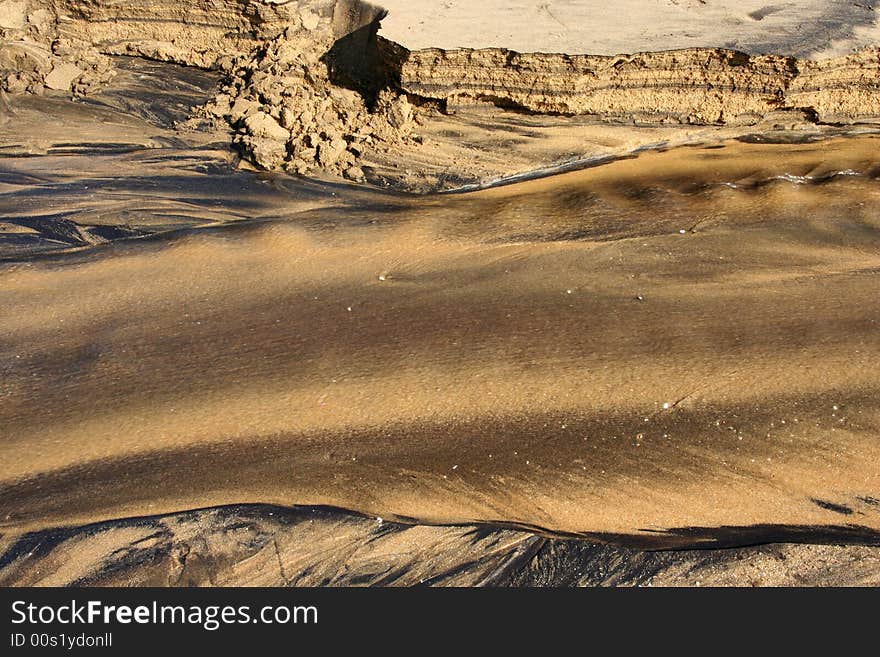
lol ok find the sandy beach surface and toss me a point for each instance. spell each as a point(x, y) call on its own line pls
point(289, 320)
point(805, 28)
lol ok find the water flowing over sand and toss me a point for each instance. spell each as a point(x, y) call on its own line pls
point(682, 339)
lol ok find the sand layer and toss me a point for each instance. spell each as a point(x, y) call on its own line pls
point(685, 86)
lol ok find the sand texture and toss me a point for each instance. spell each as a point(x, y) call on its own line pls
point(816, 29)
point(271, 546)
point(286, 302)
point(451, 360)
point(685, 86)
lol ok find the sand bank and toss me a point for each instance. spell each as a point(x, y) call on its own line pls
point(313, 85)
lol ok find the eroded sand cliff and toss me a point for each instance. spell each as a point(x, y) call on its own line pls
point(310, 86)
point(278, 58)
point(687, 86)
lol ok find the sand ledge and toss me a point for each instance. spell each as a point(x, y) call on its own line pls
point(310, 86)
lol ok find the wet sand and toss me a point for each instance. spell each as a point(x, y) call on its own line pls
point(686, 339)
point(272, 546)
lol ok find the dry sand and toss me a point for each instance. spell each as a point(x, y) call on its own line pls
point(312, 86)
point(808, 28)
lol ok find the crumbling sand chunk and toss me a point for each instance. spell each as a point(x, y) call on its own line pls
point(263, 126)
point(63, 76)
point(13, 14)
